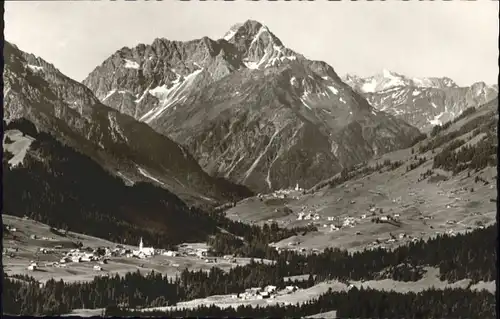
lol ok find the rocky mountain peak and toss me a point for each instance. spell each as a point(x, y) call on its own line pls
point(389, 74)
point(249, 30)
point(257, 46)
point(248, 108)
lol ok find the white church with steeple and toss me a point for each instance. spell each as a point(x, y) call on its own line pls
point(144, 252)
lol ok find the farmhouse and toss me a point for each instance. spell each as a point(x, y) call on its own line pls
point(291, 288)
point(76, 259)
point(171, 253)
point(264, 295)
point(33, 266)
point(202, 252)
point(270, 288)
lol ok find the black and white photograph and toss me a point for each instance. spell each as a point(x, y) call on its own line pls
point(250, 159)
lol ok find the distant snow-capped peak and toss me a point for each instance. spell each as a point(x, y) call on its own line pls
point(387, 79)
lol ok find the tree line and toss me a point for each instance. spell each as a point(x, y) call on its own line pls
point(483, 123)
point(465, 256)
point(355, 303)
point(472, 157)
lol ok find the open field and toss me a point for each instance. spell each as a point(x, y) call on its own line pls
point(27, 251)
point(86, 313)
point(326, 315)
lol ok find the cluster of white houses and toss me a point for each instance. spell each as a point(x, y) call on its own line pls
point(282, 193)
point(101, 255)
point(347, 221)
point(264, 293)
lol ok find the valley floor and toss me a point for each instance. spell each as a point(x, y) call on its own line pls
point(28, 252)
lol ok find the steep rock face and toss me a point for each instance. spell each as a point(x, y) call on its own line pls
point(250, 109)
point(422, 102)
point(37, 91)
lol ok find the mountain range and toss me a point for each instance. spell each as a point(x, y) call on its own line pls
point(248, 108)
point(214, 121)
point(422, 102)
point(35, 90)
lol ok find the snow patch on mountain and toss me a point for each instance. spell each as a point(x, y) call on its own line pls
point(305, 104)
point(333, 89)
point(303, 98)
point(436, 120)
point(142, 96)
point(229, 35)
point(145, 173)
point(109, 94)
point(251, 65)
point(169, 96)
point(268, 177)
point(257, 160)
point(129, 64)
point(115, 127)
point(128, 181)
point(421, 82)
point(35, 68)
point(233, 165)
point(369, 87)
point(18, 146)
point(261, 31)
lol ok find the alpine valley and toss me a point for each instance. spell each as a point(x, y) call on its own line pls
point(235, 177)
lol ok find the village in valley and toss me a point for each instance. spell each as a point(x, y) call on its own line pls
point(382, 220)
point(359, 214)
point(44, 252)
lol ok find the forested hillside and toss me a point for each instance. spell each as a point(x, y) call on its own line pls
point(59, 186)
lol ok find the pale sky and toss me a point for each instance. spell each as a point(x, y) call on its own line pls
point(458, 39)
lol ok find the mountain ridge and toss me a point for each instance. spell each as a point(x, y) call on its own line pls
point(422, 102)
point(248, 108)
point(36, 90)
